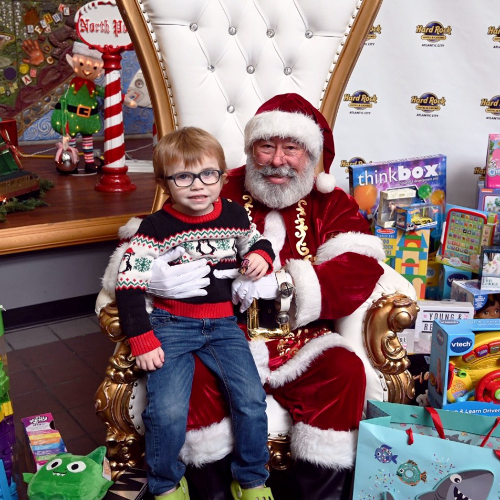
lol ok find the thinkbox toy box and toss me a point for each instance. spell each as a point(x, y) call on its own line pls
point(464, 366)
point(427, 175)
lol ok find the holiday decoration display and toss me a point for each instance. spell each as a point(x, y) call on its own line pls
point(77, 111)
point(100, 26)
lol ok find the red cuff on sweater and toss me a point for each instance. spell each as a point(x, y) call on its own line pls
point(266, 257)
point(144, 343)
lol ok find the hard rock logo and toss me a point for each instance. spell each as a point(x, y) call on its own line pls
point(495, 32)
point(357, 160)
point(492, 105)
point(374, 31)
point(433, 32)
point(360, 99)
point(428, 102)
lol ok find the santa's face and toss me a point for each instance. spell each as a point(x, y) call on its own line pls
point(279, 172)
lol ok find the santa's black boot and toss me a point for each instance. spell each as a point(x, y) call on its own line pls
point(211, 481)
point(319, 483)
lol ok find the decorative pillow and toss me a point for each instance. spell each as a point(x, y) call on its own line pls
point(70, 477)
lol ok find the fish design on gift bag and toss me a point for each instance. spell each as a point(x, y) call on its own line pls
point(466, 485)
point(384, 454)
point(410, 474)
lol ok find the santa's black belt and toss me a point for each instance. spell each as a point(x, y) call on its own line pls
point(79, 110)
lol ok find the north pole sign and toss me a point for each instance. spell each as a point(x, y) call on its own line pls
point(99, 24)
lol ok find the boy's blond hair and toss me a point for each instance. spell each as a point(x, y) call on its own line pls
point(187, 146)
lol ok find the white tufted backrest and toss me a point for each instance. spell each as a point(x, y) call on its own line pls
point(214, 62)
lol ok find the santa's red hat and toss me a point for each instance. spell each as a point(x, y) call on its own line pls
point(292, 116)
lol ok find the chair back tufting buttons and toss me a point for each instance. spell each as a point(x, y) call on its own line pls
point(193, 27)
point(309, 34)
point(232, 30)
point(230, 109)
point(250, 69)
point(287, 70)
point(270, 33)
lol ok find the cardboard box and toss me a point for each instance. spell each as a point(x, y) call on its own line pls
point(389, 201)
point(489, 269)
point(432, 290)
point(427, 175)
point(493, 162)
point(463, 355)
point(486, 304)
point(447, 275)
point(417, 216)
point(44, 440)
point(430, 310)
point(488, 200)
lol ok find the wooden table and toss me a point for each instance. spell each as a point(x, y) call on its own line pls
point(77, 213)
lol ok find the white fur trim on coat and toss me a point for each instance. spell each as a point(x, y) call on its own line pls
point(307, 302)
point(110, 276)
point(275, 232)
point(260, 355)
point(208, 444)
point(327, 448)
point(364, 244)
point(325, 183)
point(297, 365)
point(283, 124)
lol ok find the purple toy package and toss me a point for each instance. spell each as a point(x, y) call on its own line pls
point(426, 174)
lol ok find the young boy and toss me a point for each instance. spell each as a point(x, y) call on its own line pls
point(189, 164)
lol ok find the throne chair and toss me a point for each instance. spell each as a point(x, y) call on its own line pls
point(211, 64)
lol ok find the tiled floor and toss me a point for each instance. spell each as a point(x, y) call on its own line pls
point(57, 368)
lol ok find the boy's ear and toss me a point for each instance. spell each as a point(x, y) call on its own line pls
point(224, 178)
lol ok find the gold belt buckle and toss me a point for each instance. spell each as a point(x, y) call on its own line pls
point(266, 334)
point(84, 111)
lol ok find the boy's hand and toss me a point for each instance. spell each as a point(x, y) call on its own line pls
point(151, 360)
point(257, 266)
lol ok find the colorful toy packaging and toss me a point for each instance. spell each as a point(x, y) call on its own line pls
point(427, 175)
point(486, 304)
point(489, 270)
point(389, 201)
point(44, 440)
point(447, 275)
point(465, 231)
point(417, 216)
point(464, 367)
point(493, 161)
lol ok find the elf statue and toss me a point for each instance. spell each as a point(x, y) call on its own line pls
point(77, 110)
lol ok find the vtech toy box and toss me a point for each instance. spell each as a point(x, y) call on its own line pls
point(464, 366)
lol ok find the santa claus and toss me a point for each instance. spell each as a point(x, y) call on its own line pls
point(327, 265)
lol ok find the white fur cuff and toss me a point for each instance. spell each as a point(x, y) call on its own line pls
point(208, 444)
point(364, 244)
point(307, 302)
point(327, 448)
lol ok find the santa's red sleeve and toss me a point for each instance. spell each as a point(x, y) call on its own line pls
point(346, 268)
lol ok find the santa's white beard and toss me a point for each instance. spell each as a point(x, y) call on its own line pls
point(278, 196)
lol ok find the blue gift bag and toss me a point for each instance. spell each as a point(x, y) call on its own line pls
point(413, 453)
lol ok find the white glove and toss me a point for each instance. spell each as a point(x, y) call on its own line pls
point(178, 282)
point(245, 290)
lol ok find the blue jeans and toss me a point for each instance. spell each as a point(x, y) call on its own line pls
point(223, 348)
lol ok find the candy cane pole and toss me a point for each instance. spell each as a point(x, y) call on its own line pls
point(115, 178)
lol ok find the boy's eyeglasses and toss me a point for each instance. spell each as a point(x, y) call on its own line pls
point(186, 179)
point(266, 153)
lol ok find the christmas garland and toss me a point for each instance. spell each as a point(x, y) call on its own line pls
point(15, 205)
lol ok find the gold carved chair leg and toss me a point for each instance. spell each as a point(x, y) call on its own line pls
point(113, 399)
point(384, 319)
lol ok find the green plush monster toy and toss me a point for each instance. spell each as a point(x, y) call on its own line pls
point(70, 477)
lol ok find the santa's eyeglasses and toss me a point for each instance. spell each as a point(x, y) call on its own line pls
point(186, 179)
point(264, 154)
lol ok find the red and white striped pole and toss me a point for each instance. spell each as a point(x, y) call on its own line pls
point(114, 178)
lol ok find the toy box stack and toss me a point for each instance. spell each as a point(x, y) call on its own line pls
point(464, 373)
point(7, 430)
point(44, 440)
point(486, 304)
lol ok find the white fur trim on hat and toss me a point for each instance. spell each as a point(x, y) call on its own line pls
point(364, 244)
point(84, 50)
point(325, 183)
point(283, 124)
point(328, 448)
point(208, 444)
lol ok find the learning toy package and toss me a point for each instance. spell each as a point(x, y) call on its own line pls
point(426, 174)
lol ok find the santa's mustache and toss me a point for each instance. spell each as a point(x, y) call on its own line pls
point(268, 171)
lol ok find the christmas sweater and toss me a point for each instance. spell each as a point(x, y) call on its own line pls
point(221, 237)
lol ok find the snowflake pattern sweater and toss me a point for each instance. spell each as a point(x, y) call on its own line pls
point(221, 237)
